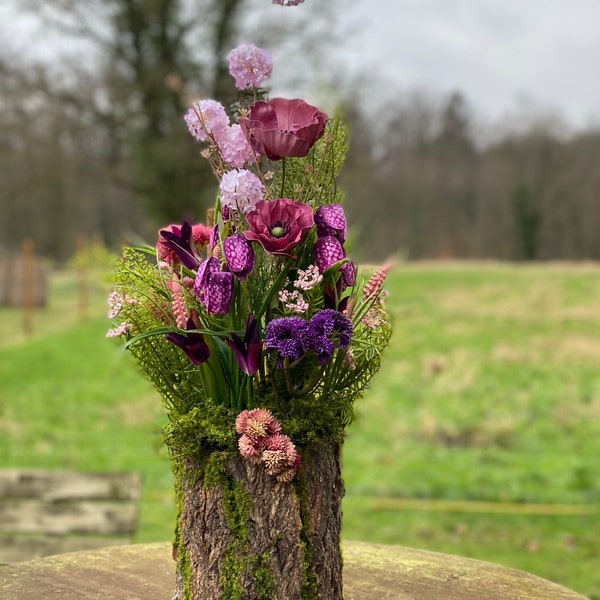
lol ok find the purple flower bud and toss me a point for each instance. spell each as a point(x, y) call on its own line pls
point(218, 293)
point(210, 265)
point(328, 250)
point(330, 220)
point(239, 255)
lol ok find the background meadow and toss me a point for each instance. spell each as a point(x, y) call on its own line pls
point(479, 437)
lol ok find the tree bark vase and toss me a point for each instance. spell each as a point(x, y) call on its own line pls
point(242, 534)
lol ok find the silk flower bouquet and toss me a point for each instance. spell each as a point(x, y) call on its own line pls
point(259, 333)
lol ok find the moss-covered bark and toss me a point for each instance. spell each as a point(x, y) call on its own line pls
point(242, 535)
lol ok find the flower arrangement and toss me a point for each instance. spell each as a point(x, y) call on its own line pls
point(255, 327)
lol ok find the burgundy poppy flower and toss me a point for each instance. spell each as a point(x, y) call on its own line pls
point(282, 127)
point(280, 225)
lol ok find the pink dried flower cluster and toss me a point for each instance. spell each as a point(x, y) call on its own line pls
point(207, 120)
point(250, 66)
point(308, 279)
point(262, 441)
point(293, 301)
point(241, 190)
point(120, 330)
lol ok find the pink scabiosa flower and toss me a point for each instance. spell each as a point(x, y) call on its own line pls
point(280, 225)
point(250, 66)
point(281, 127)
point(280, 457)
point(207, 118)
point(235, 148)
point(257, 423)
point(241, 190)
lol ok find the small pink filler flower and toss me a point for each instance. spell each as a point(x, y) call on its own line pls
point(250, 66)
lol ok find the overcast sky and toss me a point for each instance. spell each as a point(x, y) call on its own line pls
point(500, 53)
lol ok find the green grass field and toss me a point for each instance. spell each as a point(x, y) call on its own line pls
point(490, 393)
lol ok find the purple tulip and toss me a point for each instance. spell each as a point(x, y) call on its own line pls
point(282, 127)
point(180, 240)
point(192, 344)
point(280, 225)
point(249, 350)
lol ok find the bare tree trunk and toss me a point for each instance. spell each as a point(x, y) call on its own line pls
point(244, 535)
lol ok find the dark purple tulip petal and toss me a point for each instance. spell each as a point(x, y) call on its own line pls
point(192, 344)
point(180, 240)
point(248, 351)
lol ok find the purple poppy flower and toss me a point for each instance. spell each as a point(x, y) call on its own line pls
point(239, 255)
point(330, 220)
point(283, 127)
point(249, 350)
point(280, 225)
point(287, 336)
point(192, 344)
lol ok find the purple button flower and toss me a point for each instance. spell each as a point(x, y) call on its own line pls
point(327, 330)
point(287, 336)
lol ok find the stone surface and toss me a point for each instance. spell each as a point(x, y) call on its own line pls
point(371, 572)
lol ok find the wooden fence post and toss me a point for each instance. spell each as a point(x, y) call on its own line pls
point(28, 285)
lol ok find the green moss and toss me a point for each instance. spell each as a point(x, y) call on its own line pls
point(263, 577)
point(310, 589)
